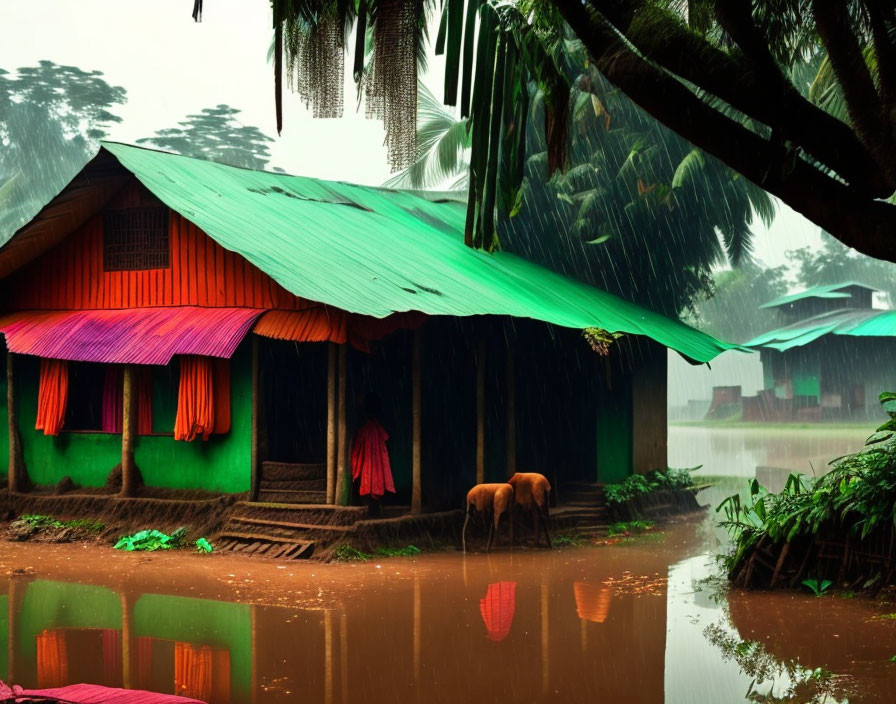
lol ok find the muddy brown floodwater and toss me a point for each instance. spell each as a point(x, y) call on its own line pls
point(635, 621)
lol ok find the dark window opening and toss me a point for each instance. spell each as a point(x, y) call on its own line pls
point(84, 409)
point(135, 239)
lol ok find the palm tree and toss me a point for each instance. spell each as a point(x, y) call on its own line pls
point(442, 152)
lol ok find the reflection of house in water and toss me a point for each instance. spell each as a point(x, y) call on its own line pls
point(830, 358)
point(59, 633)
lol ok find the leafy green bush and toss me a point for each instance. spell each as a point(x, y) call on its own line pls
point(629, 527)
point(39, 522)
point(346, 553)
point(859, 492)
point(202, 545)
point(406, 551)
point(149, 540)
point(656, 480)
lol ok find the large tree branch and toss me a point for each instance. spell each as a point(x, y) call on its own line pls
point(882, 17)
point(764, 95)
point(848, 61)
point(854, 218)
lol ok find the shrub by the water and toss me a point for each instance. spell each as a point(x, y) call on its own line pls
point(851, 510)
point(657, 480)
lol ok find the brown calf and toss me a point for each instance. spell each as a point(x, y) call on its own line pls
point(496, 499)
point(533, 492)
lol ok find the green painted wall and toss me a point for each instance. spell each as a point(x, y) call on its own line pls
point(220, 464)
point(60, 605)
point(614, 431)
point(4, 419)
point(203, 621)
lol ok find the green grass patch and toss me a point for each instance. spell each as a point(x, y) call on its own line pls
point(406, 551)
point(629, 528)
point(568, 540)
point(40, 522)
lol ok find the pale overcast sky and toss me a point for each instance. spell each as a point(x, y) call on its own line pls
point(172, 67)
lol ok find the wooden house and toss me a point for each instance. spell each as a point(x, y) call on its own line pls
point(829, 360)
point(214, 328)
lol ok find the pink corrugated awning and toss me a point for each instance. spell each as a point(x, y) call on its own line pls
point(129, 336)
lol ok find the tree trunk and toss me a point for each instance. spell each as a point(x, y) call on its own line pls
point(480, 410)
point(416, 403)
point(511, 411)
point(343, 480)
point(331, 423)
point(128, 434)
point(16, 464)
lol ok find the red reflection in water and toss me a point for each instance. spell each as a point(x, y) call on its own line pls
point(592, 601)
point(497, 607)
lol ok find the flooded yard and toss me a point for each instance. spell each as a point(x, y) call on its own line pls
point(640, 620)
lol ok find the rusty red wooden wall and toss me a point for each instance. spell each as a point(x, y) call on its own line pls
point(200, 273)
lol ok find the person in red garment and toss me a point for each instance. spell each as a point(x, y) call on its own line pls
point(370, 458)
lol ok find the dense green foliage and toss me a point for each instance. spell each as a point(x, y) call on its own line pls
point(51, 119)
point(640, 484)
point(629, 527)
point(41, 522)
point(215, 134)
point(858, 495)
point(150, 540)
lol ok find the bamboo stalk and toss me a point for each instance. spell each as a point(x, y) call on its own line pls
point(128, 433)
point(480, 411)
point(510, 402)
point(255, 456)
point(16, 468)
point(342, 482)
point(416, 403)
point(331, 423)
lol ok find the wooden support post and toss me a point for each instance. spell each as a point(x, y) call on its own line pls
point(416, 401)
point(480, 411)
point(128, 652)
point(16, 465)
point(545, 641)
point(255, 451)
point(331, 423)
point(343, 656)
point(129, 433)
point(511, 411)
point(343, 483)
point(328, 657)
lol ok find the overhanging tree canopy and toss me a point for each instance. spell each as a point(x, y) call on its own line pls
point(719, 72)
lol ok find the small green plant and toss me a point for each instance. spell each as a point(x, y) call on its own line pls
point(569, 540)
point(202, 545)
point(887, 617)
point(406, 551)
point(150, 540)
point(346, 553)
point(41, 522)
point(656, 480)
point(629, 528)
point(818, 586)
point(893, 658)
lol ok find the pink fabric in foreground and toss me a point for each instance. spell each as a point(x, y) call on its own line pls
point(94, 694)
point(129, 336)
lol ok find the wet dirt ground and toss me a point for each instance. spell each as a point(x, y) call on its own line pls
point(638, 620)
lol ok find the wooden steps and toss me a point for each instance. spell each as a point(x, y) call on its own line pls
point(267, 545)
point(287, 531)
point(290, 525)
point(289, 482)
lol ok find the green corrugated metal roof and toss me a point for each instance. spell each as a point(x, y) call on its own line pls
point(378, 251)
point(827, 291)
point(856, 323)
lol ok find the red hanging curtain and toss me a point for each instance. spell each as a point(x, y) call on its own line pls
point(113, 400)
point(52, 659)
point(193, 671)
point(203, 398)
point(142, 678)
point(52, 396)
point(497, 607)
point(222, 396)
point(195, 399)
point(111, 640)
point(370, 460)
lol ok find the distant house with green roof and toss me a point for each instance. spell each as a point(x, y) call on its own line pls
point(829, 360)
point(214, 328)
